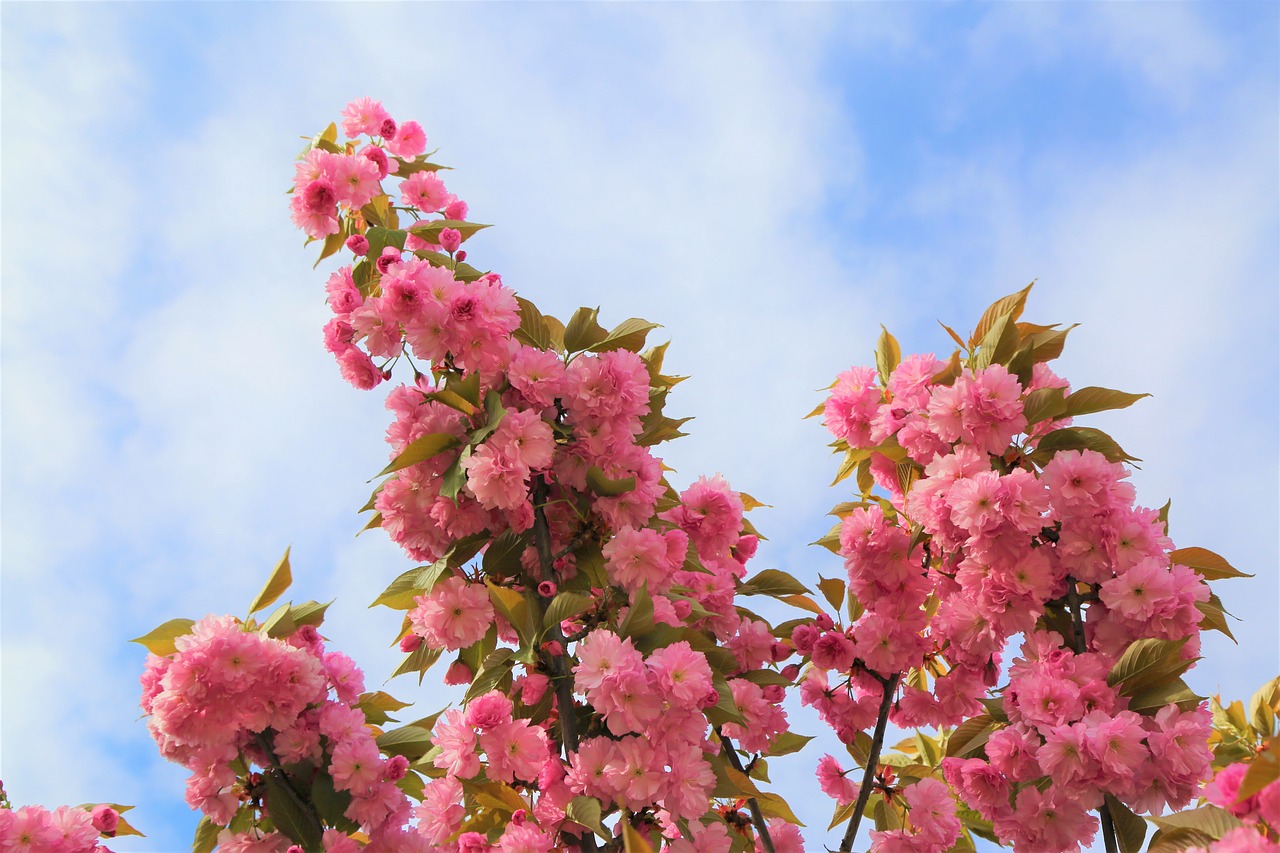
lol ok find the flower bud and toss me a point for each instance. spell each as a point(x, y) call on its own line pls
point(711, 699)
point(791, 671)
point(804, 636)
point(358, 244)
point(553, 648)
point(780, 652)
point(410, 643)
point(390, 257)
point(456, 210)
point(824, 622)
point(105, 819)
point(461, 255)
point(388, 129)
point(773, 693)
point(458, 673)
point(518, 817)
point(547, 589)
point(450, 239)
point(396, 768)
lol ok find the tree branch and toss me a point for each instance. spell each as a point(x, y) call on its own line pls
point(757, 818)
point(1079, 645)
point(560, 663)
point(873, 761)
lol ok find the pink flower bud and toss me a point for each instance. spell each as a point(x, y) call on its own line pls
point(746, 548)
point(547, 589)
point(456, 210)
point(105, 820)
point(390, 257)
point(458, 673)
point(791, 671)
point(711, 699)
point(396, 768)
point(553, 648)
point(461, 256)
point(410, 643)
point(294, 848)
point(388, 129)
point(780, 652)
point(773, 693)
point(450, 239)
point(824, 622)
point(518, 817)
point(683, 607)
point(358, 244)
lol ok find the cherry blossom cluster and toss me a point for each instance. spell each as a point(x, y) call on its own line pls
point(999, 519)
point(35, 829)
point(230, 698)
point(522, 434)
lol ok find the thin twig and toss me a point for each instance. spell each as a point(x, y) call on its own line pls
point(873, 760)
point(757, 818)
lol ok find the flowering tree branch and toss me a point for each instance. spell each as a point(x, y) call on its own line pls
point(873, 761)
point(757, 818)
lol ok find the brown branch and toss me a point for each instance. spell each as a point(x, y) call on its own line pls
point(757, 817)
point(560, 663)
point(1079, 645)
point(873, 760)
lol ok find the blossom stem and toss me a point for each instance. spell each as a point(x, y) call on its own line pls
point(873, 762)
point(757, 817)
point(563, 677)
point(1078, 643)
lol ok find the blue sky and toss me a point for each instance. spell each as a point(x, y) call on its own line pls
point(769, 182)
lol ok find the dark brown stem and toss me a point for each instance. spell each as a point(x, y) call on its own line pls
point(1080, 646)
point(757, 817)
point(560, 663)
point(873, 761)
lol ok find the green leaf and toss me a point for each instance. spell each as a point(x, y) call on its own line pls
point(502, 557)
point(280, 623)
point(1010, 305)
point(1215, 616)
point(279, 581)
point(495, 668)
point(888, 355)
point(633, 841)
point(1044, 404)
point(832, 590)
point(1148, 663)
point(1079, 438)
point(206, 836)
point(421, 449)
point(1131, 830)
point(332, 244)
point(331, 804)
point(159, 641)
point(291, 815)
point(786, 743)
point(419, 660)
point(411, 741)
point(1264, 770)
point(970, 736)
point(456, 476)
point(380, 238)
point(603, 486)
point(430, 230)
point(1210, 820)
point(587, 811)
point(774, 583)
point(629, 335)
point(583, 332)
point(999, 343)
point(515, 609)
point(1205, 563)
point(467, 387)
point(639, 617)
point(533, 326)
point(406, 168)
point(1152, 700)
point(1092, 399)
point(564, 606)
point(308, 613)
